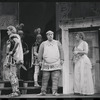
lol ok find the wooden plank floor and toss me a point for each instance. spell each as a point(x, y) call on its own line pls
point(51, 96)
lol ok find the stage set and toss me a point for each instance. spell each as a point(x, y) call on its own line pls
point(65, 19)
point(29, 92)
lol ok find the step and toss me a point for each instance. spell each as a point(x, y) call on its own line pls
point(5, 86)
point(21, 88)
point(8, 84)
point(26, 87)
point(1, 81)
point(30, 81)
point(22, 83)
point(27, 90)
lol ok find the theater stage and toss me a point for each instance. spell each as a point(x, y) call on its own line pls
point(50, 96)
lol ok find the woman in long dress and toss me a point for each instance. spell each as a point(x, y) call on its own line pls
point(83, 81)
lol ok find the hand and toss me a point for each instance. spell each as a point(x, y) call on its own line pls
point(27, 51)
point(40, 63)
point(10, 53)
point(61, 62)
point(36, 55)
point(75, 52)
point(19, 62)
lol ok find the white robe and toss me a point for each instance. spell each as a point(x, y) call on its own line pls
point(83, 80)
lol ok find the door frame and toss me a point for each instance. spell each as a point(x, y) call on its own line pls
point(65, 27)
point(93, 55)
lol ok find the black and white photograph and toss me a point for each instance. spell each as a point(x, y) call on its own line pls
point(50, 50)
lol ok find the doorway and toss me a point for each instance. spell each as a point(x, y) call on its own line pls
point(4, 38)
point(92, 38)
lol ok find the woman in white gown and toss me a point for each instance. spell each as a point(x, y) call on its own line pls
point(83, 81)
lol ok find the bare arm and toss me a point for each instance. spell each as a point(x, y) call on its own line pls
point(35, 51)
point(40, 54)
point(61, 51)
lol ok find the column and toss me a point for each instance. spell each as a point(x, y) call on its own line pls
point(0, 48)
point(65, 45)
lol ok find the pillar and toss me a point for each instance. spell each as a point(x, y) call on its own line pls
point(65, 74)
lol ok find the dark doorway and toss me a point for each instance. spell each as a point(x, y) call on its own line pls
point(4, 38)
point(34, 15)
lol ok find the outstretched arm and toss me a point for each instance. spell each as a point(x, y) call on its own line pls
point(35, 51)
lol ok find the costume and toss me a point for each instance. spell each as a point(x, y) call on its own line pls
point(35, 63)
point(52, 53)
point(83, 81)
point(14, 60)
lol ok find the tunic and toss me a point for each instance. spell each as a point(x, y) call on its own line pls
point(52, 54)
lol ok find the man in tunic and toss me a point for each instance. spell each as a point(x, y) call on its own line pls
point(51, 58)
point(35, 49)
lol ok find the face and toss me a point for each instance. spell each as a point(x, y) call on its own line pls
point(39, 30)
point(9, 32)
point(50, 36)
point(39, 39)
point(77, 37)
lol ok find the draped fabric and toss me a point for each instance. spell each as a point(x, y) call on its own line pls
point(83, 81)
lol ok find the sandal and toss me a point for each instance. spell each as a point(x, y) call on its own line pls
point(42, 94)
point(55, 93)
point(14, 94)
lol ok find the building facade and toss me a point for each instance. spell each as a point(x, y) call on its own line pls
point(73, 17)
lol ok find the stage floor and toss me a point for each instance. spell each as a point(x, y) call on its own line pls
point(51, 96)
